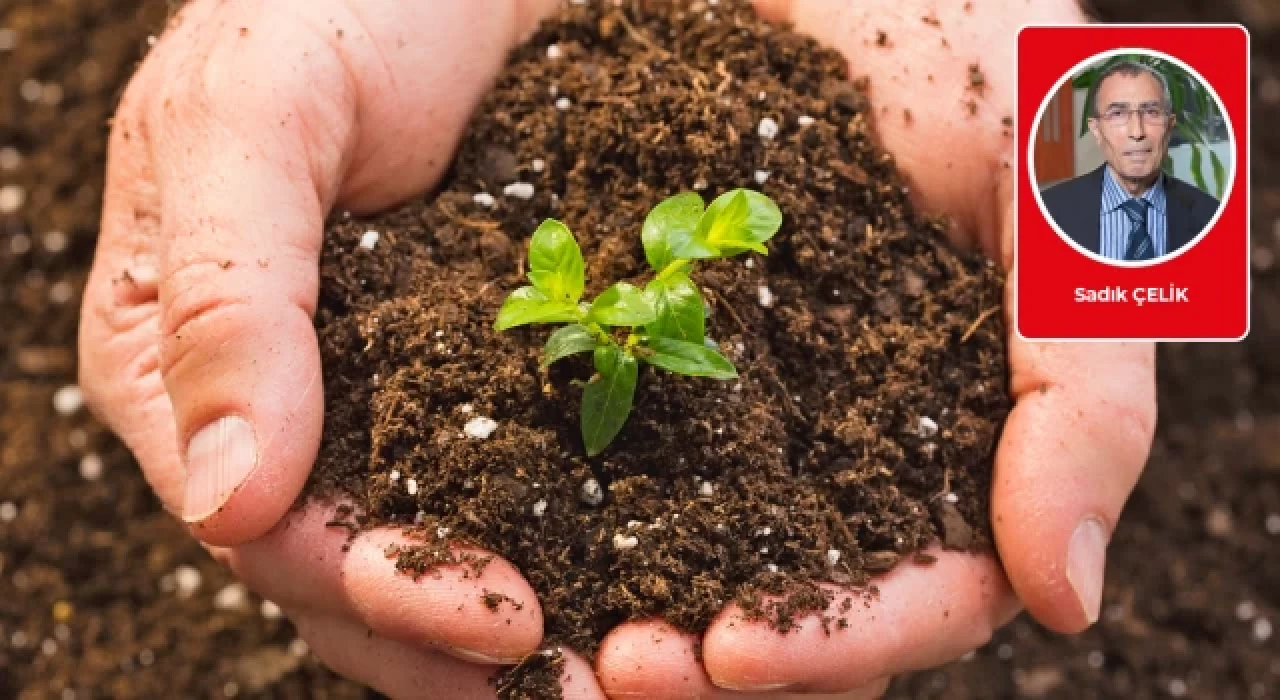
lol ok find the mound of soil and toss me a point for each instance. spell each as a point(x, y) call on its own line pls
point(871, 354)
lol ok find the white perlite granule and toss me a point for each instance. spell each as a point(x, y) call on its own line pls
point(480, 427)
point(519, 190)
point(563, 104)
point(926, 427)
point(8, 511)
point(68, 400)
point(233, 596)
point(621, 541)
point(369, 240)
point(539, 508)
point(538, 165)
point(91, 467)
point(411, 486)
point(270, 610)
point(12, 197)
point(762, 176)
point(1246, 610)
point(764, 296)
point(804, 120)
point(706, 489)
point(187, 579)
point(833, 557)
point(55, 241)
point(768, 128)
point(1262, 629)
point(61, 292)
point(394, 475)
point(591, 493)
point(484, 199)
point(554, 52)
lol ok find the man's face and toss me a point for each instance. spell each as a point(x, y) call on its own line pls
point(1133, 128)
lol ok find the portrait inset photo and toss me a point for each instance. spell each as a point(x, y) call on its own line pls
point(1131, 157)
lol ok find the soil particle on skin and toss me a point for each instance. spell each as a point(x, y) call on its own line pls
point(861, 322)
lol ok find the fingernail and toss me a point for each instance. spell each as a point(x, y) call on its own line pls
point(478, 658)
point(219, 459)
point(1087, 563)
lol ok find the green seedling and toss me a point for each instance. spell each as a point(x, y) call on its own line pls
point(663, 325)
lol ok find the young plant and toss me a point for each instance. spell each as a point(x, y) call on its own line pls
point(665, 323)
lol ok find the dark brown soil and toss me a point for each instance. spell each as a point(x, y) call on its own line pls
point(1176, 585)
point(872, 364)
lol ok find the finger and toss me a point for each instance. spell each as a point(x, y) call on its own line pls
point(444, 608)
point(947, 135)
point(654, 660)
point(398, 670)
point(1071, 452)
point(923, 616)
point(390, 667)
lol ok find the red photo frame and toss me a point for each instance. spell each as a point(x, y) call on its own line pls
point(1201, 291)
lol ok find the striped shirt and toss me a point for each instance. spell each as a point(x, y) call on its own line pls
point(1115, 224)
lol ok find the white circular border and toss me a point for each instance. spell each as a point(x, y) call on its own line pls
point(1031, 156)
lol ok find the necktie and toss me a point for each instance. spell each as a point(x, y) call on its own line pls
point(1140, 246)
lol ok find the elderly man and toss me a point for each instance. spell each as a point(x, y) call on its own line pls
point(1127, 209)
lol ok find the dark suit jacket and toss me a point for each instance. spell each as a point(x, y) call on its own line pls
point(1076, 206)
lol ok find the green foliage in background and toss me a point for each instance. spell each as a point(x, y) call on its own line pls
point(1193, 108)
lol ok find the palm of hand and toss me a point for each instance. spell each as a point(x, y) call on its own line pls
point(367, 119)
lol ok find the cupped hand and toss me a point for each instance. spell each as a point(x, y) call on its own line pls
point(250, 120)
point(1072, 448)
point(246, 124)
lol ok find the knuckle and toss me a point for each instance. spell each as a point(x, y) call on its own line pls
point(200, 315)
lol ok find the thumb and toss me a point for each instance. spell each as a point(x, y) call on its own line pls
point(237, 251)
point(198, 342)
point(1071, 452)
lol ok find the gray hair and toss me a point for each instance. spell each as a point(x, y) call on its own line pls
point(1134, 69)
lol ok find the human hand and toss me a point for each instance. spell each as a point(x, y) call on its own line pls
point(245, 125)
point(1071, 451)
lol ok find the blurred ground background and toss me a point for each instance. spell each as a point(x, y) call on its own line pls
point(103, 595)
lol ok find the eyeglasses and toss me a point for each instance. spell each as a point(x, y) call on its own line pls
point(1119, 116)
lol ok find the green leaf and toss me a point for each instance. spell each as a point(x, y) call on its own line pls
point(1177, 93)
point(529, 305)
point(737, 221)
point(623, 304)
point(1219, 173)
point(678, 304)
point(567, 341)
point(692, 359)
point(673, 220)
point(606, 400)
point(555, 262)
point(1197, 163)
